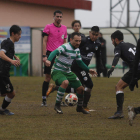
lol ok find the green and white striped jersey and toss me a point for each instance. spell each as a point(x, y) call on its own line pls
point(64, 60)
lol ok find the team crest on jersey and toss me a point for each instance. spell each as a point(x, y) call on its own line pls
point(87, 48)
point(62, 36)
point(96, 48)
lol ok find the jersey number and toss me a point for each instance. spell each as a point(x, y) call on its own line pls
point(132, 51)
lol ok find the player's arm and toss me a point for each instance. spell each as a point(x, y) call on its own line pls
point(45, 38)
point(6, 58)
point(16, 58)
point(115, 61)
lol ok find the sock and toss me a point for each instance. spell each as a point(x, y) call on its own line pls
point(60, 95)
point(119, 100)
point(80, 100)
point(44, 90)
point(6, 102)
point(137, 110)
point(87, 96)
point(70, 90)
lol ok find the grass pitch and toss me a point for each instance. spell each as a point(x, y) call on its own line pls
point(32, 122)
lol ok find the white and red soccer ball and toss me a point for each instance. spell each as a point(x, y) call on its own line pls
point(71, 99)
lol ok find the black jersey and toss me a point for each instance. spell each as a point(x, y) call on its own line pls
point(87, 49)
point(125, 51)
point(8, 47)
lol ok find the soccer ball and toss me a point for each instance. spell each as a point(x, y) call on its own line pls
point(71, 99)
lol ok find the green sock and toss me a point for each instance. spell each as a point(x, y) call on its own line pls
point(60, 94)
point(80, 99)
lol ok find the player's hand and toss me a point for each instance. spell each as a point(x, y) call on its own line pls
point(110, 72)
point(47, 63)
point(133, 83)
point(93, 73)
point(15, 63)
point(44, 59)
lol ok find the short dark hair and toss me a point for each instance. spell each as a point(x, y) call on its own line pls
point(15, 29)
point(57, 11)
point(117, 34)
point(95, 29)
point(75, 21)
point(74, 33)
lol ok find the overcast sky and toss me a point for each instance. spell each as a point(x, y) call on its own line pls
point(100, 14)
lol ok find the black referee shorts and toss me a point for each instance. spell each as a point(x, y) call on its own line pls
point(5, 85)
point(47, 70)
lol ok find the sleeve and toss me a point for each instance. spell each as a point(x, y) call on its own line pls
point(53, 54)
point(117, 52)
point(136, 60)
point(46, 30)
point(82, 65)
point(65, 36)
point(5, 46)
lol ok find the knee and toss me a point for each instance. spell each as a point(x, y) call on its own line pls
point(65, 83)
point(11, 95)
point(80, 90)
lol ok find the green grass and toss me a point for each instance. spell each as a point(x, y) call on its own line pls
point(32, 122)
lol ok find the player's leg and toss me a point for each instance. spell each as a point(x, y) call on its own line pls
point(47, 72)
point(60, 79)
point(8, 91)
point(76, 84)
point(123, 83)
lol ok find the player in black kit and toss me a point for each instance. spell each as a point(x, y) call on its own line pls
point(7, 53)
point(89, 45)
point(126, 52)
point(133, 111)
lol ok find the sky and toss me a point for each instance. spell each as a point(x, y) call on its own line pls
point(100, 14)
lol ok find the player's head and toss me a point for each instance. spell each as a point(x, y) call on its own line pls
point(15, 32)
point(58, 16)
point(76, 25)
point(75, 39)
point(116, 37)
point(94, 33)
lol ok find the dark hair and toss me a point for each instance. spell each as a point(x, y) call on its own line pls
point(75, 21)
point(57, 11)
point(117, 34)
point(74, 33)
point(95, 29)
point(15, 29)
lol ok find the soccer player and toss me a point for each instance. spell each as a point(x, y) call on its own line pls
point(76, 26)
point(88, 47)
point(126, 51)
point(54, 35)
point(133, 111)
point(62, 74)
point(7, 53)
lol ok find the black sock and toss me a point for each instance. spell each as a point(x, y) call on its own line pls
point(137, 110)
point(120, 100)
point(87, 96)
point(44, 90)
point(5, 104)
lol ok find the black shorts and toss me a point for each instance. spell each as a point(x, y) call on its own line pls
point(83, 77)
point(5, 85)
point(47, 70)
point(128, 76)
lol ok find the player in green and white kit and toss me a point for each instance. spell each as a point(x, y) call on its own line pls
point(61, 72)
